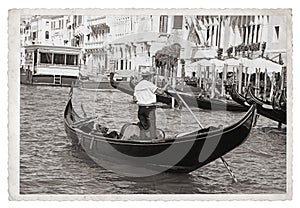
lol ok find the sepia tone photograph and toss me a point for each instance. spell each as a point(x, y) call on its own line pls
point(151, 103)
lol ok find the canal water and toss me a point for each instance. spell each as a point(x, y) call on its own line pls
point(50, 165)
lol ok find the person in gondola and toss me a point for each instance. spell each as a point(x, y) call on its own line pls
point(145, 96)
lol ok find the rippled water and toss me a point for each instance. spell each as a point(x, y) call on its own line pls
point(50, 165)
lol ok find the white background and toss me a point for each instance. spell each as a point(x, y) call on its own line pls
point(6, 5)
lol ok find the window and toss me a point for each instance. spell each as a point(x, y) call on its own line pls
point(244, 34)
point(177, 22)
point(217, 35)
point(248, 35)
point(207, 33)
point(59, 59)
point(252, 34)
point(46, 58)
point(33, 35)
point(212, 35)
point(79, 20)
point(163, 24)
point(71, 60)
point(47, 35)
point(257, 33)
point(276, 31)
point(121, 67)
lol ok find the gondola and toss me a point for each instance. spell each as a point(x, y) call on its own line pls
point(279, 101)
point(238, 97)
point(209, 104)
point(182, 153)
point(266, 109)
point(128, 88)
point(191, 100)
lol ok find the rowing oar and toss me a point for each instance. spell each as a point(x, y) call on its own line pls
point(223, 160)
point(84, 113)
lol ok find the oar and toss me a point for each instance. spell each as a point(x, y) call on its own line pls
point(84, 113)
point(186, 105)
point(223, 160)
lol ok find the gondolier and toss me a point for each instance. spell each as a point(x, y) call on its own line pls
point(145, 96)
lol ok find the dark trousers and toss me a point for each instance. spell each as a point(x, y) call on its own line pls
point(147, 124)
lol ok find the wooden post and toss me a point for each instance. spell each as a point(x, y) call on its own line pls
point(240, 75)
point(38, 57)
point(257, 82)
point(248, 82)
point(205, 78)
point(258, 89)
point(224, 77)
point(199, 75)
point(165, 74)
point(213, 78)
point(234, 75)
point(156, 76)
point(272, 86)
point(265, 86)
point(245, 81)
point(282, 78)
point(249, 79)
point(173, 77)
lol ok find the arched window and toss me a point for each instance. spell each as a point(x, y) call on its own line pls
point(47, 35)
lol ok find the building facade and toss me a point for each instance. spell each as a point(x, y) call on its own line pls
point(132, 42)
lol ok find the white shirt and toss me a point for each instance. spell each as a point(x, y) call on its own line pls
point(144, 93)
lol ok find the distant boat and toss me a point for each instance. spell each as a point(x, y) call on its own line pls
point(182, 153)
point(50, 65)
point(94, 83)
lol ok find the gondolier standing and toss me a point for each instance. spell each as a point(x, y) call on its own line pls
point(145, 96)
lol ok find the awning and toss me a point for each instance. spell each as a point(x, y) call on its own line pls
point(251, 64)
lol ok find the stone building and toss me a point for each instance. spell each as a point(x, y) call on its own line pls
point(134, 42)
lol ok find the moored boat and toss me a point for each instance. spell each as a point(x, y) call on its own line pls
point(266, 109)
point(51, 65)
point(183, 153)
point(94, 83)
point(190, 99)
point(238, 97)
point(209, 104)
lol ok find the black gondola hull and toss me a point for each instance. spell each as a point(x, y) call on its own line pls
point(183, 153)
point(266, 110)
point(209, 104)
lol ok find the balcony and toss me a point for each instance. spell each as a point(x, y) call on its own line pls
point(96, 44)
